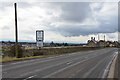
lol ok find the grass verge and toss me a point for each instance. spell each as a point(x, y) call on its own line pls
point(42, 53)
point(9, 59)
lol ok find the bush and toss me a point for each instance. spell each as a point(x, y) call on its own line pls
point(36, 52)
point(11, 52)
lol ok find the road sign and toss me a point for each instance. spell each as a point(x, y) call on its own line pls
point(39, 38)
point(39, 44)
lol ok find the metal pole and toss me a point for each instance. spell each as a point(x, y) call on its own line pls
point(98, 37)
point(104, 41)
point(16, 31)
point(98, 40)
point(104, 37)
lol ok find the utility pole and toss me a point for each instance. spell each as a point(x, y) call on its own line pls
point(16, 31)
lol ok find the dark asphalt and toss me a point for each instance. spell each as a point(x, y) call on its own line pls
point(87, 64)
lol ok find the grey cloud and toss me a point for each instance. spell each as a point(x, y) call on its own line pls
point(75, 11)
point(73, 30)
point(110, 25)
point(76, 30)
point(119, 17)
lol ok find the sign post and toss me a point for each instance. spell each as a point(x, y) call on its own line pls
point(39, 38)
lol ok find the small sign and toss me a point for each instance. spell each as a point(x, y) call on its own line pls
point(39, 38)
point(39, 44)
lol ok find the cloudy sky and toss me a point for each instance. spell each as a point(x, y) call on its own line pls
point(73, 22)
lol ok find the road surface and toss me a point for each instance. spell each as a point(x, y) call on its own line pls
point(87, 64)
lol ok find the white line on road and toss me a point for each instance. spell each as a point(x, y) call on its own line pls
point(36, 61)
point(18, 66)
point(64, 55)
point(69, 63)
point(62, 69)
point(108, 66)
point(48, 76)
point(112, 68)
point(30, 77)
point(37, 70)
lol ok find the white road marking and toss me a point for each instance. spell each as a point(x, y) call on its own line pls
point(91, 51)
point(93, 68)
point(18, 66)
point(30, 77)
point(36, 61)
point(112, 68)
point(69, 63)
point(37, 70)
point(48, 76)
point(46, 60)
point(64, 55)
point(62, 69)
point(108, 66)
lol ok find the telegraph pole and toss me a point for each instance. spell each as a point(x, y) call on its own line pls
point(16, 31)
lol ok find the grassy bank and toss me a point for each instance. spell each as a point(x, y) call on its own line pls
point(9, 59)
point(45, 52)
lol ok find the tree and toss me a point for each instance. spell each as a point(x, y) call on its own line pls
point(52, 43)
point(65, 44)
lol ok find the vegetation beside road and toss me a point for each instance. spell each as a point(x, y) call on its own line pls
point(9, 59)
point(9, 53)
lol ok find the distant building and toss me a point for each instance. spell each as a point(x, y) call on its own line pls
point(95, 43)
point(109, 44)
point(102, 43)
point(92, 42)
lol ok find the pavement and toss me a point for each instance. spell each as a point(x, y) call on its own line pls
point(85, 64)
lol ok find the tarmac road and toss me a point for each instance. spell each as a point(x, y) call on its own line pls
point(87, 64)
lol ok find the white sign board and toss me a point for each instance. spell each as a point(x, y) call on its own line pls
point(39, 44)
point(39, 38)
